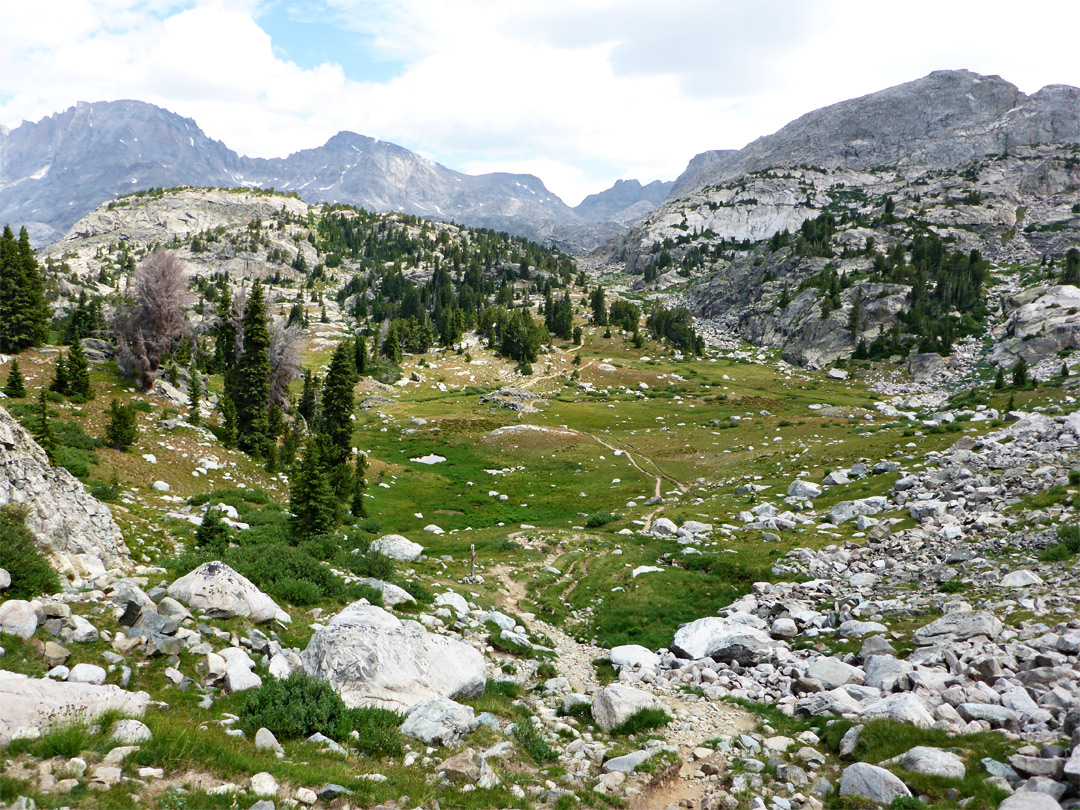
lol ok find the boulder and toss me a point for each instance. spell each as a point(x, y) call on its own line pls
point(454, 601)
point(398, 548)
point(373, 658)
point(932, 761)
point(617, 703)
point(849, 510)
point(728, 640)
point(903, 707)
point(832, 672)
point(130, 732)
point(86, 673)
point(662, 527)
point(634, 656)
point(18, 618)
point(1030, 800)
point(41, 703)
point(803, 489)
point(627, 763)
point(219, 591)
point(392, 595)
point(958, 626)
point(439, 721)
point(871, 782)
point(1020, 579)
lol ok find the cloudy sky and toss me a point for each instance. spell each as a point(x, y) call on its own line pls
point(578, 92)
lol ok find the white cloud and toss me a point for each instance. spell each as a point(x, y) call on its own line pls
point(577, 92)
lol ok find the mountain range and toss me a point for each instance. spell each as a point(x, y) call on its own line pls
point(60, 168)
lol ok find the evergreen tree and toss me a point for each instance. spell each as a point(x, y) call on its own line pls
point(251, 392)
point(999, 379)
point(228, 421)
point(309, 404)
point(359, 485)
point(15, 387)
point(599, 308)
point(224, 333)
point(59, 382)
point(44, 434)
point(311, 499)
point(1064, 369)
point(194, 397)
point(337, 403)
point(361, 360)
point(1020, 374)
point(122, 430)
point(23, 311)
point(1070, 273)
point(78, 373)
point(212, 534)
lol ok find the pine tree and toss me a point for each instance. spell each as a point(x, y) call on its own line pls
point(1020, 374)
point(599, 308)
point(225, 333)
point(24, 312)
point(122, 430)
point(359, 485)
point(15, 387)
point(59, 382)
point(44, 434)
point(228, 421)
point(212, 534)
point(78, 373)
point(251, 393)
point(999, 379)
point(194, 397)
point(1070, 273)
point(311, 498)
point(337, 403)
point(361, 356)
point(309, 404)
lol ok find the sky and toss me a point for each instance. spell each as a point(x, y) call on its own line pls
point(578, 92)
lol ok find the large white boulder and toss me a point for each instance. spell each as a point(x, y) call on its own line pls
point(871, 782)
point(958, 626)
point(398, 548)
point(633, 656)
point(219, 591)
point(617, 703)
point(373, 658)
point(41, 703)
point(18, 617)
point(726, 639)
point(439, 722)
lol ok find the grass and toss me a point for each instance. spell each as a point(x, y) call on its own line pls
point(641, 720)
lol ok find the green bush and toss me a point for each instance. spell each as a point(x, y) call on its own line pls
point(598, 519)
point(122, 430)
point(531, 741)
point(1074, 477)
point(952, 586)
point(366, 563)
point(1066, 548)
point(546, 671)
point(378, 732)
point(641, 720)
point(31, 574)
point(297, 706)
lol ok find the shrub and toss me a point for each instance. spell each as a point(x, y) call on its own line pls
point(533, 743)
point(417, 592)
point(31, 574)
point(367, 563)
point(377, 732)
point(212, 534)
point(1074, 477)
point(298, 706)
point(952, 586)
point(546, 671)
point(598, 519)
point(641, 720)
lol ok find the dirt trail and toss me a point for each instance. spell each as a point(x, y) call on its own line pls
point(697, 720)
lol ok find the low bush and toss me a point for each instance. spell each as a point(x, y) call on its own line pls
point(1066, 548)
point(598, 519)
point(533, 743)
point(297, 706)
point(31, 574)
point(641, 720)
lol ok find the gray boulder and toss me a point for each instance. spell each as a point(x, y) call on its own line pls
point(832, 672)
point(439, 721)
point(1030, 800)
point(728, 640)
point(633, 656)
point(958, 626)
point(398, 548)
point(803, 489)
point(617, 703)
point(849, 510)
point(871, 782)
point(392, 595)
point(904, 707)
point(219, 591)
point(932, 761)
point(373, 658)
point(18, 618)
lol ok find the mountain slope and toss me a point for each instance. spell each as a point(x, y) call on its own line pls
point(57, 170)
point(626, 201)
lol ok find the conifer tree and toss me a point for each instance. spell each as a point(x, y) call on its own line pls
point(228, 421)
point(359, 485)
point(78, 373)
point(1020, 374)
point(337, 403)
point(44, 434)
point(212, 534)
point(122, 430)
point(599, 308)
point(251, 393)
point(59, 382)
point(23, 311)
point(194, 397)
point(311, 499)
point(309, 404)
point(361, 356)
point(15, 387)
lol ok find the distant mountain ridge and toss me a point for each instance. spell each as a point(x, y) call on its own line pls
point(57, 170)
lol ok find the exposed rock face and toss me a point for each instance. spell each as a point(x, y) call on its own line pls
point(371, 657)
point(73, 527)
point(219, 591)
point(40, 703)
point(1043, 322)
point(627, 201)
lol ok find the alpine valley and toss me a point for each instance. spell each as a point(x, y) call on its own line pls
point(348, 480)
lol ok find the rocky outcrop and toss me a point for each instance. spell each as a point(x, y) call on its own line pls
point(1042, 322)
point(373, 658)
point(30, 706)
point(75, 529)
